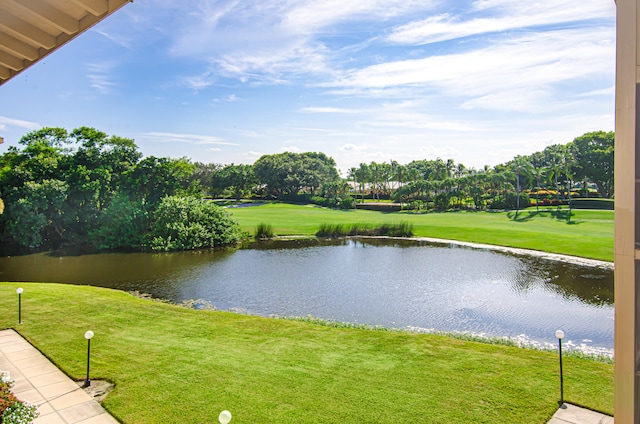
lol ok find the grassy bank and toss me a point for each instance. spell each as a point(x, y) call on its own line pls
point(587, 234)
point(172, 364)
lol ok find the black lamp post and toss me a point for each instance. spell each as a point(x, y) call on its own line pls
point(560, 336)
point(88, 335)
point(19, 291)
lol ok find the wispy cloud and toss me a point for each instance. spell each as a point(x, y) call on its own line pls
point(163, 137)
point(6, 122)
point(293, 149)
point(502, 15)
point(100, 75)
point(517, 72)
point(337, 110)
point(252, 154)
point(443, 152)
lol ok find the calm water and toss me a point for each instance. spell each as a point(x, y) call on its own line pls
point(397, 284)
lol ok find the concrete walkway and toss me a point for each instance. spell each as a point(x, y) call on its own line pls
point(575, 415)
point(59, 399)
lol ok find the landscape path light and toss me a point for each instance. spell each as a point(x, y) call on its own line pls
point(88, 335)
point(224, 417)
point(560, 336)
point(19, 290)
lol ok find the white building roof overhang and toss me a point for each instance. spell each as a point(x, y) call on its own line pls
point(31, 29)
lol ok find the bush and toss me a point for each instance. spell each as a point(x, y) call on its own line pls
point(333, 202)
point(12, 410)
point(264, 231)
point(185, 223)
point(606, 204)
point(331, 231)
point(510, 201)
point(403, 229)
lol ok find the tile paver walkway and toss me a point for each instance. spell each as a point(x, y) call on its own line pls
point(59, 399)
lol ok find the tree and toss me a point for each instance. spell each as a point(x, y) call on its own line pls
point(522, 168)
point(203, 175)
point(594, 159)
point(285, 174)
point(238, 179)
point(34, 215)
point(154, 178)
point(538, 174)
point(124, 224)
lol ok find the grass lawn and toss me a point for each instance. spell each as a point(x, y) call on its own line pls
point(588, 234)
point(177, 365)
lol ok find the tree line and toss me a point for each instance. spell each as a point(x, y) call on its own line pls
point(87, 188)
point(583, 167)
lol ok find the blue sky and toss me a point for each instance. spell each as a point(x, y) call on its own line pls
point(360, 80)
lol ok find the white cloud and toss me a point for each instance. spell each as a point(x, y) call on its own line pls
point(165, 137)
point(99, 75)
point(338, 110)
point(443, 152)
point(353, 148)
point(252, 154)
point(6, 122)
point(292, 149)
point(497, 76)
point(511, 15)
point(312, 15)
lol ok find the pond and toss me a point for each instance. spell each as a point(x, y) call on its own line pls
point(402, 284)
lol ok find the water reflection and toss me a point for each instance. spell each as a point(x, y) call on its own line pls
point(396, 283)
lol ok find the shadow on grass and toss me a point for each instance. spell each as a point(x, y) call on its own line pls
point(558, 214)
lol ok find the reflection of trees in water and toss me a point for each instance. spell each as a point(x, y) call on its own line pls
point(591, 285)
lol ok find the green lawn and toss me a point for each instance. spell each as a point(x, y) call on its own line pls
point(177, 365)
point(588, 234)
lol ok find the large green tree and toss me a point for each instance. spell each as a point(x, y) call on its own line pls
point(237, 179)
point(594, 159)
point(285, 174)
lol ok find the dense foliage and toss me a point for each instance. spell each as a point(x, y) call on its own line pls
point(182, 223)
point(85, 187)
point(88, 188)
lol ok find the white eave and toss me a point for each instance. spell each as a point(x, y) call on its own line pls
point(31, 29)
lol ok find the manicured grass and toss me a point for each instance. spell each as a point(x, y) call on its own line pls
point(588, 234)
point(177, 365)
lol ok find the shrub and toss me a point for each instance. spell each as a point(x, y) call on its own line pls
point(12, 410)
point(20, 413)
point(605, 204)
point(264, 231)
point(184, 223)
point(403, 229)
point(509, 201)
point(331, 231)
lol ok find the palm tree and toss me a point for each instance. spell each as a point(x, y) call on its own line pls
point(353, 174)
point(555, 170)
point(363, 176)
point(522, 167)
point(538, 174)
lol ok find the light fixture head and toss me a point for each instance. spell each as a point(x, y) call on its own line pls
point(19, 290)
point(560, 334)
point(88, 335)
point(224, 417)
